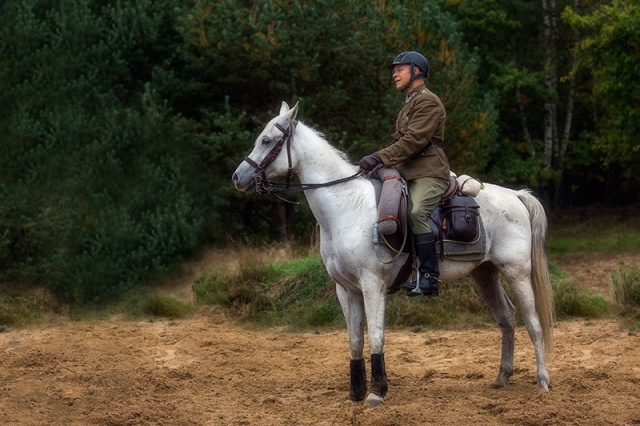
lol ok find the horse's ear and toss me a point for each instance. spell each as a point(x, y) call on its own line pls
point(284, 108)
point(288, 115)
point(294, 112)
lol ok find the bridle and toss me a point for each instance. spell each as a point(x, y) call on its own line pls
point(265, 186)
point(261, 177)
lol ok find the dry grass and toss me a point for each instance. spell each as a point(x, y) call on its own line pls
point(227, 262)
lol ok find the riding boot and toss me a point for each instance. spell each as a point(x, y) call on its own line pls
point(427, 277)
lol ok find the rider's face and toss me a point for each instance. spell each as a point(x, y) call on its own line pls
point(401, 75)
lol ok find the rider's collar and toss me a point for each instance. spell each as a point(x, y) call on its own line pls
point(410, 95)
point(415, 91)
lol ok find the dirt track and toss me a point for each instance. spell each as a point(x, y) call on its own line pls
point(209, 371)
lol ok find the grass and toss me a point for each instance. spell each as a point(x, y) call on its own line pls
point(145, 304)
point(626, 288)
point(607, 233)
point(296, 293)
point(31, 308)
point(574, 301)
point(41, 307)
point(299, 294)
point(287, 285)
point(457, 306)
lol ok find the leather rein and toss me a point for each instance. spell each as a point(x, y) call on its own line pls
point(265, 186)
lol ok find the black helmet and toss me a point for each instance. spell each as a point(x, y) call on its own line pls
point(414, 59)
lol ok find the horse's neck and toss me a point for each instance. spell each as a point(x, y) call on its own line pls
point(319, 162)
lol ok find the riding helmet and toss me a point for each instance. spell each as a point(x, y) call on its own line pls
point(414, 59)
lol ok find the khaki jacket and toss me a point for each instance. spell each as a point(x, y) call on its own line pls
point(420, 121)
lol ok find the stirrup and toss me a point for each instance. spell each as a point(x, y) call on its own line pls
point(431, 287)
point(416, 290)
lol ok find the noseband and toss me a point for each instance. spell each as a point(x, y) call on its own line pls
point(265, 186)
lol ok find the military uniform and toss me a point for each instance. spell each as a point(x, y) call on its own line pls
point(418, 154)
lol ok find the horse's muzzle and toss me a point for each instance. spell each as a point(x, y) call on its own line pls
point(247, 186)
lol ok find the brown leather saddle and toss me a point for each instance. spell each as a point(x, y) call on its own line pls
point(456, 220)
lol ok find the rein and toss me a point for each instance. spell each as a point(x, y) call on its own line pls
point(265, 186)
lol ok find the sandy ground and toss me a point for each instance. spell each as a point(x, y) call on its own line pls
point(208, 370)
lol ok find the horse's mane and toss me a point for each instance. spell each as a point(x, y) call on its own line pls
point(321, 136)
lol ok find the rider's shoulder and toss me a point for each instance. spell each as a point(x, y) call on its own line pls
point(426, 96)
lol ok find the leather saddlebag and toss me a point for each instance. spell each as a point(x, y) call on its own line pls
point(460, 218)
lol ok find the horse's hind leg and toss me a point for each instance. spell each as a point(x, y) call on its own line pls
point(487, 281)
point(520, 282)
point(353, 308)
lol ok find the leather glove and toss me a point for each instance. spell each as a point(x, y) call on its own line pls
point(369, 162)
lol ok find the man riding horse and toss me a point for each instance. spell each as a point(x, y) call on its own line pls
point(418, 153)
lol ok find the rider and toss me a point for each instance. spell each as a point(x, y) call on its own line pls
point(418, 154)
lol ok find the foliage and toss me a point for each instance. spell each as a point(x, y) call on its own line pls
point(154, 304)
point(457, 306)
point(299, 294)
point(315, 53)
point(574, 301)
point(122, 122)
point(32, 308)
point(295, 293)
point(119, 121)
point(625, 285)
point(605, 232)
point(609, 50)
point(100, 176)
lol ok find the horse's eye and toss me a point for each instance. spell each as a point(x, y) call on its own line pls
point(266, 141)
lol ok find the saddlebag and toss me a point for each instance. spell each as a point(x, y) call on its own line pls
point(460, 218)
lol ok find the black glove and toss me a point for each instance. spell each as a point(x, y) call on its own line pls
point(369, 162)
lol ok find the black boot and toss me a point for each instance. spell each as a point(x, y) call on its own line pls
point(428, 272)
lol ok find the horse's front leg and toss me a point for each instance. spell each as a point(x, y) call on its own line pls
point(353, 308)
point(374, 294)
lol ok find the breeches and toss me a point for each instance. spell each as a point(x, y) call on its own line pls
point(425, 193)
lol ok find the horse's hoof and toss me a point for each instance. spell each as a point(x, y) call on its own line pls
point(543, 387)
point(498, 384)
point(351, 402)
point(373, 400)
point(543, 382)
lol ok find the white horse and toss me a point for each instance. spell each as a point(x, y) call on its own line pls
point(515, 226)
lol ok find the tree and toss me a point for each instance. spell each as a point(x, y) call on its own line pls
point(259, 54)
point(121, 122)
point(100, 186)
point(609, 50)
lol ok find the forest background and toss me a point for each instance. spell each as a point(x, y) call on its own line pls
point(122, 122)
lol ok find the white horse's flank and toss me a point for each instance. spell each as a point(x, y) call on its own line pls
point(515, 225)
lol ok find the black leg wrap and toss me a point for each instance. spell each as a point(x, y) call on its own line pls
point(378, 375)
point(358, 388)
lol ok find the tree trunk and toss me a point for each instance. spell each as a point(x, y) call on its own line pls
point(558, 162)
point(551, 149)
point(566, 133)
point(523, 119)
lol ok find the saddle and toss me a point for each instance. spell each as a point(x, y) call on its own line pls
point(455, 223)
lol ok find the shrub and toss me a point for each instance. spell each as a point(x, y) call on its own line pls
point(574, 301)
point(625, 285)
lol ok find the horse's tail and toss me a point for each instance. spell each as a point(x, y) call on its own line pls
point(540, 281)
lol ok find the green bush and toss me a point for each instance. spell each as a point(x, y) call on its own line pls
point(574, 301)
point(102, 184)
point(27, 309)
point(626, 288)
point(153, 304)
point(297, 293)
point(457, 306)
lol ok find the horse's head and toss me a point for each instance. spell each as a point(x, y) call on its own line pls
point(267, 159)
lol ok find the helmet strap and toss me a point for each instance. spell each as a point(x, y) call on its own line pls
point(413, 77)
